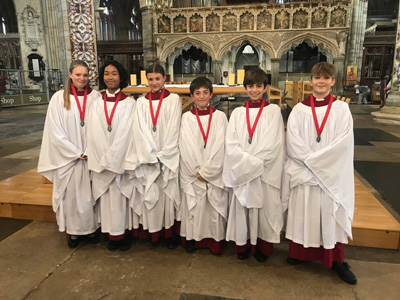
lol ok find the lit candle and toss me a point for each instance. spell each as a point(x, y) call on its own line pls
point(231, 80)
point(143, 78)
point(240, 76)
point(133, 80)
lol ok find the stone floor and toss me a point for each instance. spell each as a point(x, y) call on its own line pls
point(35, 262)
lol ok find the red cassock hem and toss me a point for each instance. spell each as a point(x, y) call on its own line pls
point(118, 237)
point(208, 243)
point(326, 256)
point(155, 236)
point(264, 247)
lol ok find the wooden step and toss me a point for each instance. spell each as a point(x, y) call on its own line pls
point(24, 196)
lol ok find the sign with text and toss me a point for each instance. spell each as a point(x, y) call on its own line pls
point(15, 100)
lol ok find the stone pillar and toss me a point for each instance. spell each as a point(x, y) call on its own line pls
point(217, 71)
point(390, 113)
point(63, 36)
point(356, 35)
point(339, 66)
point(149, 48)
point(275, 71)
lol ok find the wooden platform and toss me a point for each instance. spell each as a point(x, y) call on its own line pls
point(24, 196)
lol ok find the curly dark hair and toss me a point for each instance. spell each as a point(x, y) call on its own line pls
point(123, 74)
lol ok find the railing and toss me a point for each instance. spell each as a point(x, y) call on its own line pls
point(22, 90)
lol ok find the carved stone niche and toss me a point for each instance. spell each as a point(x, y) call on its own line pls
point(164, 25)
point(282, 20)
point(212, 22)
point(318, 19)
point(264, 21)
point(31, 28)
point(247, 21)
point(300, 19)
point(338, 18)
point(179, 24)
point(196, 23)
point(229, 22)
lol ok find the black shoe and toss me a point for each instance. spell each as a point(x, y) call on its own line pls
point(156, 243)
point(126, 243)
point(293, 261)
point(190, 246)
point(73, 243)
point(243, 255)
point(260, 257)
point(343, 270)
point(93, 238)
point(113, 245)
point(173, 242)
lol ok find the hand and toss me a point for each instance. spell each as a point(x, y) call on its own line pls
point(200, 178)
point(83, 157)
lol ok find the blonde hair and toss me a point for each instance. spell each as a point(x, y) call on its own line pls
point(67, 88)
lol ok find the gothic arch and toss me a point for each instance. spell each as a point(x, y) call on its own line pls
point(181, 43)
point(254, 41)
point(327, 46)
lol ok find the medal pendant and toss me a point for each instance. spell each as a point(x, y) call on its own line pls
point(205, 146)
point(318, 139)
point(250, 139)
point(109, 128)
point(154, 128)
point(82, 123)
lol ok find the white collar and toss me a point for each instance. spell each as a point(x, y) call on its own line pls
point(112, 95)
point(316, 99)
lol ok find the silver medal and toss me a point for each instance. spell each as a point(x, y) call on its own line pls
point(318, 139)
point(250, 139)
point(154, 128)
point(109, 128)
point(82, 123)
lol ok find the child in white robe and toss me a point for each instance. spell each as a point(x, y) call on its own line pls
point(154, 157)
point(62, 157)
point(253, 165)
point(318, 182)
point(204, 208)
point(109, 135)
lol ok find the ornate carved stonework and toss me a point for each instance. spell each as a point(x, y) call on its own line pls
point(264, 21)
point(31, 28)
point(212, 22)
point(300, 19)
point(318, 19)
point(82, 34)
point(180, 24)
point(338, 18)
point(282, 20)
point(247, 21)
point(196, 23)
point(164, 25)
point(229, 22)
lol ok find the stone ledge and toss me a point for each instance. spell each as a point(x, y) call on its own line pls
point(387, 117)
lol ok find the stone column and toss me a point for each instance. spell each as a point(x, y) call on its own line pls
point(63, 36)
point(217, 71)
point(275, 71)
point(356, 35)
point(149, 48)
point(390, 113)
point(339, 66)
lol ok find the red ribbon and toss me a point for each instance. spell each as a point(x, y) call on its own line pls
point(319, 129)
point(205, 136)
point(81, 111)
point(109, 119)
point(249, 128)
point(155, 118)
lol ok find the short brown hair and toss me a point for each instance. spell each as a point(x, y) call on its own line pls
point(323, 68)
point(254, 76)
point(201, 82)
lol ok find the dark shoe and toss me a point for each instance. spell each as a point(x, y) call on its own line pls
point(293, 261)
point(343, 270)
point(190, 246)
point(243, 255)
point(173, 242)
point(93, 238)
point(113, 245)
point(156, 243)
point(260, 257)
point(73, 243)
point(126, 243)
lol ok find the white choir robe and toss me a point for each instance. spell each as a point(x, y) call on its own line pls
point(318, 180)
point(106, 157)
point(254, 171)
point(64, 141)
point(204, 209)
point(153, 156)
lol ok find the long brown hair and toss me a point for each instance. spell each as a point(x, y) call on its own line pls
point(67, 88)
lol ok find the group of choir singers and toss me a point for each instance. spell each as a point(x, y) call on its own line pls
point(141, 168)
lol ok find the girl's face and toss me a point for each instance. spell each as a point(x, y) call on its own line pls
point(79, 77)
point(111, 77)
point(156, 81)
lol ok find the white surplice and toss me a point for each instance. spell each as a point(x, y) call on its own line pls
point(254, 171)
point(154, 157)
point(64, 141)
point(318, 181)
point(106, 157)
point(204, 209)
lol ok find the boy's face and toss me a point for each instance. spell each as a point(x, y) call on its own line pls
point(156, 81)
point(255, 91)
point(322, 84)
point(202, 97)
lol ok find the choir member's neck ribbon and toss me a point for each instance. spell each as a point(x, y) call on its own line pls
point(81, 110)
point(205, 136)
point(154, 118)
point(109, 118)
point(319, 129)
point(249, 128)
